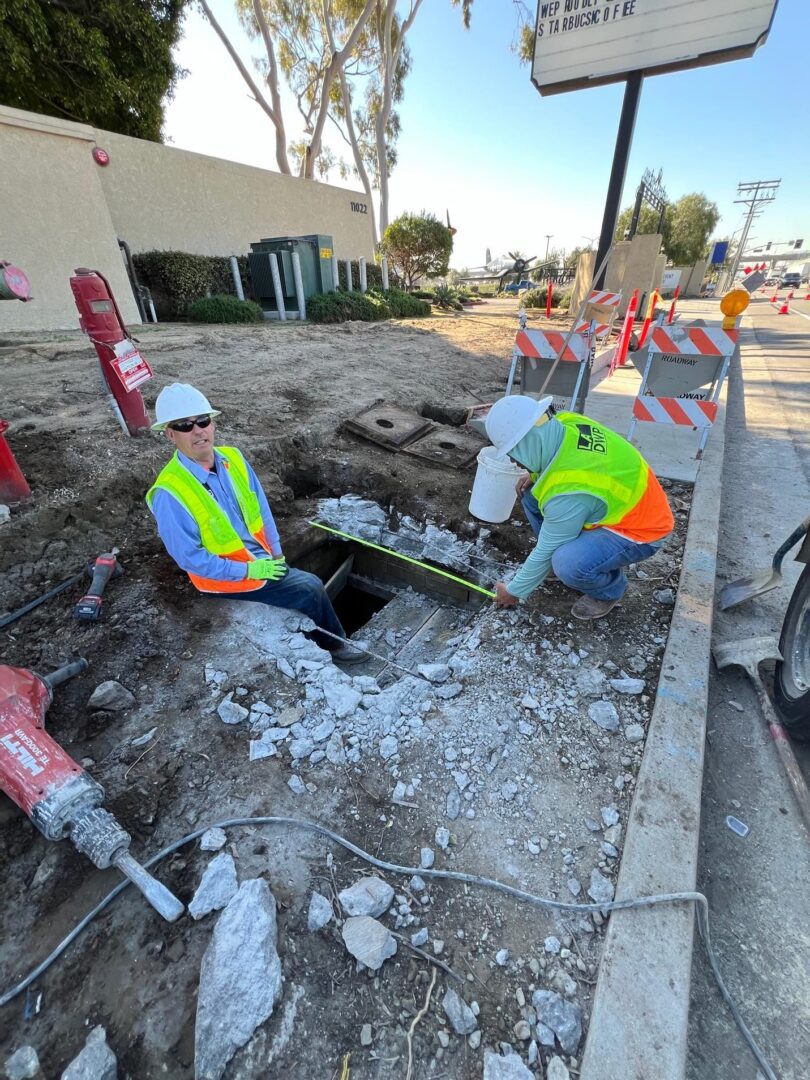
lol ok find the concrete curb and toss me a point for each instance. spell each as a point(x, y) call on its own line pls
point(638, 1026)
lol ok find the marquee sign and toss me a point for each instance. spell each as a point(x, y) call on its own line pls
point(580, 43)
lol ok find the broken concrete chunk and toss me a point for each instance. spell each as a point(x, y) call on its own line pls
point(614, 834)
point(111, 696)
point(545, 1036)
point(334, 749)
point(95, 1062)
point(427, 858)
point(217, 887)
point(320, 912)
point(628, 686)
point(604, 715)
point(435, 673)
point(556, 1070)
point(368, 896)
point(214, 677)
point(342, 699)
point(634, 733)
point(610, 815)
point(240, 978)
point(389, 746)
point(368, 941)
point(664, 596)
point(285, 667)
point(510, 1067)
point(449, 691)
point(213, 840)
point(459, 1013)
point(601, 889)
point(297, 785)
point(453, 804)
point(261, 748)
point(23, 1064)
point(419, 938)
point(590, 682)
point(322, 732)
point(563, 1017)
point(230, 712)
point(442, 837)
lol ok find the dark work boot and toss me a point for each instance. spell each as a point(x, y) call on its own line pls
point(588, 607)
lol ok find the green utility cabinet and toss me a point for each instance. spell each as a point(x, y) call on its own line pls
point(315, 253)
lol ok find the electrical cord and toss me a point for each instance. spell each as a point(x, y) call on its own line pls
point(698, 899)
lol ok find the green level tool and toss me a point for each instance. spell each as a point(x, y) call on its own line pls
point(405, 558)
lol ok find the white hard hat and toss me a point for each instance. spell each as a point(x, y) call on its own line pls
point(511, 418)
point(177, 401)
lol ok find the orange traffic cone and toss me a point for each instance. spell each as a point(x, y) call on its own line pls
point(790, 295)
point(808, 296)
point(774, 298)
point(784, 310)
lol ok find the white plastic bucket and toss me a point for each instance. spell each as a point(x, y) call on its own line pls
point(493, 493)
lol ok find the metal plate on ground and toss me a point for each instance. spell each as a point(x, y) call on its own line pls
point(448, 446)
point(388, 425)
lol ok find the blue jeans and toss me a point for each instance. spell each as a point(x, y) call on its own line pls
point(592, 564)
point(305, 593)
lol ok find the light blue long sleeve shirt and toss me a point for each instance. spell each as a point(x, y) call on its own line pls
point(564, 516)
point(179, 532)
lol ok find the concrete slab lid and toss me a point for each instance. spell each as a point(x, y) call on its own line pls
point(447, 446)
point(388, 425)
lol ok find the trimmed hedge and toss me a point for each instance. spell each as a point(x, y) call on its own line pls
point(225, 309)
point(340, 306)
point(373, 275)
point(176, 278)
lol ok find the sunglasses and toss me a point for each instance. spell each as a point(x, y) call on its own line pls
point(185, 426)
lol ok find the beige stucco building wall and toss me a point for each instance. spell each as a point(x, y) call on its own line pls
point(168, 199)
point(53, 218)
point(634, 265)
point(59, 210)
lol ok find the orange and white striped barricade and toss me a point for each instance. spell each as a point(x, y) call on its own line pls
point(682, 375)
point(534, 354)
point(601, 298)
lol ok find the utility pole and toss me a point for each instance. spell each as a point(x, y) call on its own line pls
point(548, 237)
point(754, 196)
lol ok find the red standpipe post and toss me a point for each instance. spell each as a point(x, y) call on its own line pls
point(550, 292)
point(13, 485)
point(671, 315)
point(101, 320)
point(623, 344)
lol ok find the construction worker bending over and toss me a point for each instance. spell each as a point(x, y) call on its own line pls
point(594, 504)
point(214, 519)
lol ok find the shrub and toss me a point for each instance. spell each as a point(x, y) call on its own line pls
point(405, 305)
point(336, 307)
point(373, 275)
point(225, 309)
point(178, 278)
point(535, 298)
point(445, 297)
point(424, 294)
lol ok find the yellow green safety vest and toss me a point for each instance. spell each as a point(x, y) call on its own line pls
point(593, 460)
point(217, 534)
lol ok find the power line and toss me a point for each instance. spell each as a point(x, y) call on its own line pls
point(754, 195)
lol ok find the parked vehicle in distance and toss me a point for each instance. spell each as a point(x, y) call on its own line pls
point(791, 280)
point(515, 287)
point(773, 279)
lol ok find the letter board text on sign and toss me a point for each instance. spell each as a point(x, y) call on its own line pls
point(581, 43)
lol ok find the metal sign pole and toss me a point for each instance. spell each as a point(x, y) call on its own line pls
point(624, 139)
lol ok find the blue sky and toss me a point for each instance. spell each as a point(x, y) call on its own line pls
point(512, 166)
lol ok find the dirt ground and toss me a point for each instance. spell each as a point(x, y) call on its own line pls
point(284, 392)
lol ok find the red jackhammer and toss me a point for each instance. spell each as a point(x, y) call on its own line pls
point(59, 797)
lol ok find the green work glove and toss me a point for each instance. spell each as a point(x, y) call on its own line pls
point(267, 569)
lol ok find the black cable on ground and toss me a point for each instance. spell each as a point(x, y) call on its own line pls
point(698, 899)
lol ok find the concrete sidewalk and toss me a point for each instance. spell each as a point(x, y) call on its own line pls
point(639, 1023)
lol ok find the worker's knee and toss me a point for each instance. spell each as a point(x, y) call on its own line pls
point(567, 564)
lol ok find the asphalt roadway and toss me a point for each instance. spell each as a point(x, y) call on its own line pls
point(758, 886)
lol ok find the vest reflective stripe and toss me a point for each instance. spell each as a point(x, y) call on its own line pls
point(593, 460)
point(217, 535)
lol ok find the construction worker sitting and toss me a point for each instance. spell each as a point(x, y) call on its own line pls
point(214, 520)
point(594, 504)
